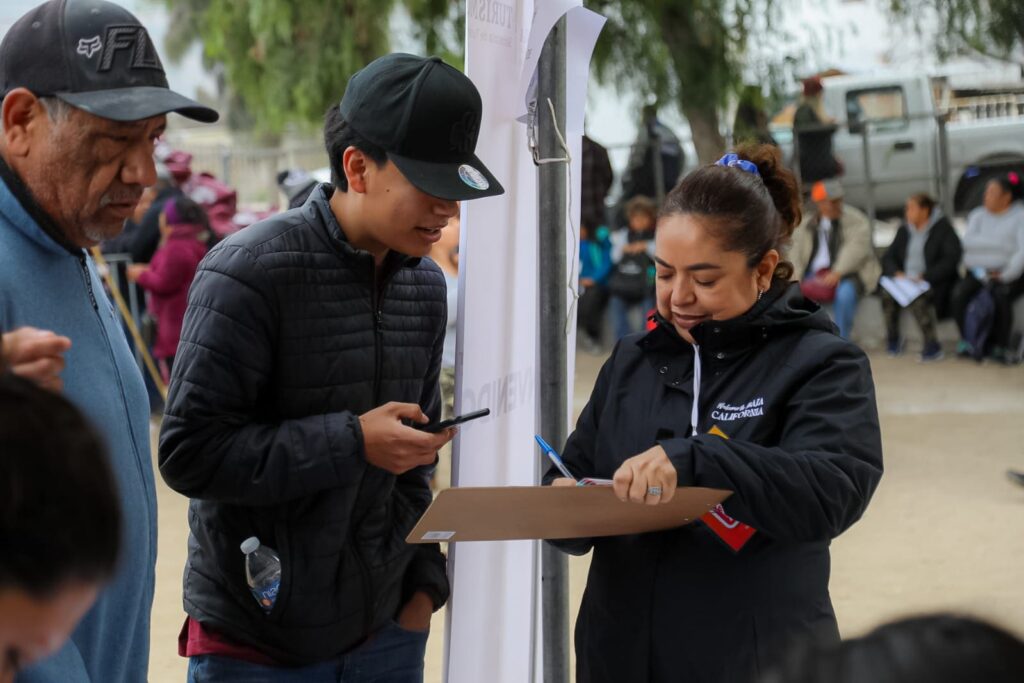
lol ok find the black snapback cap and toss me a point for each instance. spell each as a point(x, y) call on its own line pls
point(426, 115)
point(95, 56)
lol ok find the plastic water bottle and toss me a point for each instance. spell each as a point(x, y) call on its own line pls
point(262, 572)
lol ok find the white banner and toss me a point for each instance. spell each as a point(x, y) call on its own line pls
point(491, 634)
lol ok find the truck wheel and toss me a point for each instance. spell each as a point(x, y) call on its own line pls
point(973, 195)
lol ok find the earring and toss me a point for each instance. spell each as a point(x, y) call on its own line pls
point(760, 293)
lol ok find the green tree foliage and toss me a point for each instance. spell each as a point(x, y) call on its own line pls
point(286, 60)
point(693, 51)
point(994, 28)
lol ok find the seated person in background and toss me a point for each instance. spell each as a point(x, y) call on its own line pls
point(595, 267)
point(832, 255)
point(993, 256)
point(631, 283)
point(932, 649)
point(184, 230)
point(925, 249)
point(59, 521)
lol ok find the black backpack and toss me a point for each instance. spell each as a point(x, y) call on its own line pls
point(978, 320)
point(631, 279)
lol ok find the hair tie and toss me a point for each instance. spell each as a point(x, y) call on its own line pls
point(732, 160)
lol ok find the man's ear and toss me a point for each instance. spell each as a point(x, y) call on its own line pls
point(355, 162)
point(22, 114)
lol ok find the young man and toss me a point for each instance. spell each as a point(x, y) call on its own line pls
point(84, 99)
point(311, 341)
point(59, 521)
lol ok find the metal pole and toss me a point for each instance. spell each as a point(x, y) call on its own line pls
point(945, 193)
point(868, 181)
point(553, 191)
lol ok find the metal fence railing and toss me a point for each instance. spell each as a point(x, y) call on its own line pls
point(252, 171)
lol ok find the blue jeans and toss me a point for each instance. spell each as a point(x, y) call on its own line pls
point(621, 311)
point(391, 655)
point(845, 306)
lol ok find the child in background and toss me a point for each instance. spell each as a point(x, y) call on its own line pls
point(631, 283)
point(595, 267)
point(184, 230)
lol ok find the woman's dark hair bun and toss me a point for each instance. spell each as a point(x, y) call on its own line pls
point(747, 212)
point(778, 180)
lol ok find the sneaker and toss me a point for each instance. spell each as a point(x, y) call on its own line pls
point(931, 352)
point(999, 355)
point(895, 347)
point(964, 350)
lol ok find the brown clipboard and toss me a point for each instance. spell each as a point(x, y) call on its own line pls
point(507, 513)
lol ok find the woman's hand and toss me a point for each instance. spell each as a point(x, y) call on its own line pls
point(646, 478)
point(563, 481)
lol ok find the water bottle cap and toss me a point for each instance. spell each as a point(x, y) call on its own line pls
point(250, 545)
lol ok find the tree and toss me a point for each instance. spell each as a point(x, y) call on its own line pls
point(993, 28)
point(693, 51)
point(287, 61)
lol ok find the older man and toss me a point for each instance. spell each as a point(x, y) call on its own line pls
point(833, 256)
point(84, 98)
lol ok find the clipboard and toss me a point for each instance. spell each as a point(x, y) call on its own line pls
point(508, 513)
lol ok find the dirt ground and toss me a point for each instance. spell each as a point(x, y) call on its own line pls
point(945, 530)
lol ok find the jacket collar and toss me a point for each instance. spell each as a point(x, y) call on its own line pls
point(24, 212)
point(317, 209)
point(782, 308)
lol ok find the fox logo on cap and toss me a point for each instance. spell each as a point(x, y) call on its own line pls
point(87, 47)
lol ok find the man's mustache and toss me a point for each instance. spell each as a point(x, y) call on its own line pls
point(126, 196)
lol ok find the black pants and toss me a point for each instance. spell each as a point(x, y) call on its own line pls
point(923, 310)
point(592, 303)
point(1003, 293)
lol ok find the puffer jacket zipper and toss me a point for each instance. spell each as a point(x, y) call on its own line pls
point(377, 305)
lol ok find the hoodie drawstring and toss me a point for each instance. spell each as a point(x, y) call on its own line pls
point(696, 390)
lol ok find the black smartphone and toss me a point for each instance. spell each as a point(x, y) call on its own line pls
point(445, 424)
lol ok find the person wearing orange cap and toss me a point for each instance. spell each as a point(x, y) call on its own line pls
point(833, 256)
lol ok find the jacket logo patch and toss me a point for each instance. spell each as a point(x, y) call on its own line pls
point(726, 412)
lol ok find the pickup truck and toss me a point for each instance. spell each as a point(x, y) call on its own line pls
point(984, 137)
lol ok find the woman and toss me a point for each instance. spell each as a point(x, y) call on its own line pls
point(184, 230)
point(994, 260)
point(742, 386)
point(925, 249)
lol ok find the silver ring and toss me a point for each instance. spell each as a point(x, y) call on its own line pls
point(654, 491)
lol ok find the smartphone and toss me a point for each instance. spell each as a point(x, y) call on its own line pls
point(445, 424)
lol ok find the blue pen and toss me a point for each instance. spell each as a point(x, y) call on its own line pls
point(553, 456)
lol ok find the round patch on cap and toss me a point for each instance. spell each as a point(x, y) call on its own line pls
point(473, 177)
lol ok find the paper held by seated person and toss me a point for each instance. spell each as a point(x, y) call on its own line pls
point(508, 513)
point(904, 290)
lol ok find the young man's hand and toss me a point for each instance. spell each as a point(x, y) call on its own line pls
point(394, 447)
point(37, 355)
point(415, 614)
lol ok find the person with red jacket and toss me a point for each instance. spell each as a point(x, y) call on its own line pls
point(184, 229)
